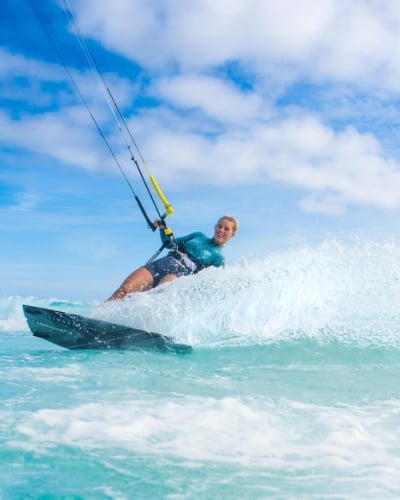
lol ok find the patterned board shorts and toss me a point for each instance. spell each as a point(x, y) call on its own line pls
point(166, 265)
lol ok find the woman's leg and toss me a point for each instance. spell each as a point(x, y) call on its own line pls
point(139, 281)
point(169, 277)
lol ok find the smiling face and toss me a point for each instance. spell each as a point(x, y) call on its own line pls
point(224, 230)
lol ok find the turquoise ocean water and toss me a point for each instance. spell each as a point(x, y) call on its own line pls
point(292, 389)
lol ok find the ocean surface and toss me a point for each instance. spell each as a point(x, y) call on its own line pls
point(291, 391)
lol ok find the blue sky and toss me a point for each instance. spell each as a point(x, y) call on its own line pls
point(284, 114)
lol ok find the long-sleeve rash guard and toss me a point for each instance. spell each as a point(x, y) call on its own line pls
point(199, 248)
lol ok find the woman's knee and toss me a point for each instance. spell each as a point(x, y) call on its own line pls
point(167, 278)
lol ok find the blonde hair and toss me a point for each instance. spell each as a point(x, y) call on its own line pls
point(232, 220)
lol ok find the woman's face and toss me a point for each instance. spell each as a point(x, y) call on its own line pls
point(223, 232)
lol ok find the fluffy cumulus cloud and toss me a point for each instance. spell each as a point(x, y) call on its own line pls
point(344, 39)
point(218, 99)
point(221, 93)
point(47, 116)
point(335, 168)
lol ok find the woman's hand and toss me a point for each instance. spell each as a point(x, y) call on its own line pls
point(159, 223)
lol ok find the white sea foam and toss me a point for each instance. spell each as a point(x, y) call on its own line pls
point(231, 430)
point(349, 293)
point(315, 413)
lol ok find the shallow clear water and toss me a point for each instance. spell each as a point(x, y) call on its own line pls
point(291, 390)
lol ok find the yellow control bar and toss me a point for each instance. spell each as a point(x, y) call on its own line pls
point(168, 208)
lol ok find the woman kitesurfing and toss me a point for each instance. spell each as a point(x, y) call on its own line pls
point(188, 254)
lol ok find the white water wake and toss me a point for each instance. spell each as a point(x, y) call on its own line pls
point(350, 293)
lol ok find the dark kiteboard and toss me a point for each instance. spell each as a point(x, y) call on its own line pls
point(73, 331)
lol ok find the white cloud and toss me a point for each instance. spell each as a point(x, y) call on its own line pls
point(12, 65)
point(337, 168)
point(35, 74)
point(218, 99)
point(205, 32)
point(63, 129)
point(64, 136)
point(343, 39)
point(205, 128)
point(123, 26)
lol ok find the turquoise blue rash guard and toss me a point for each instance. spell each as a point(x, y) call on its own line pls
point(199, 248)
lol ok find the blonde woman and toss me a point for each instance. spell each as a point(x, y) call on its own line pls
point(189, 254)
